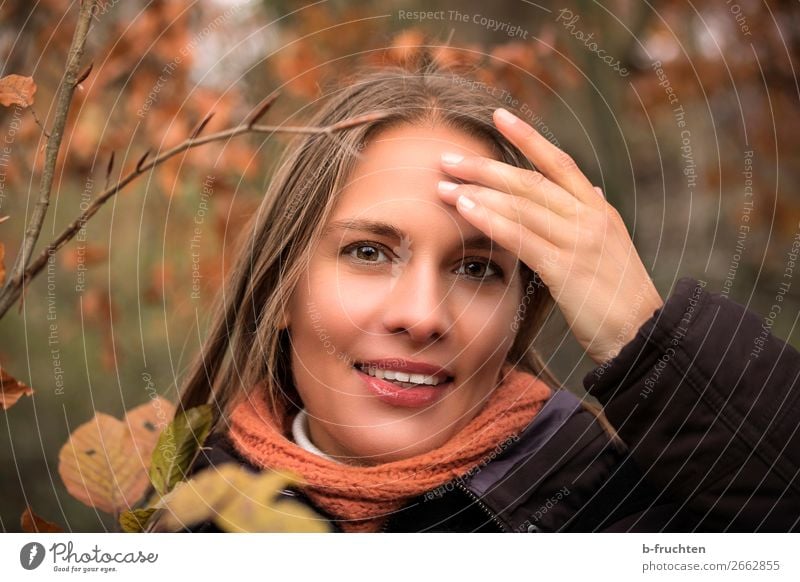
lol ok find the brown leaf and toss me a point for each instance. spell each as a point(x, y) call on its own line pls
point(32, 523)
point(11, 390)
point(17, 90)
point(2, 264)
point(105, 463)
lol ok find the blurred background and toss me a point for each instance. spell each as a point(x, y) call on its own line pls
point(686, 114)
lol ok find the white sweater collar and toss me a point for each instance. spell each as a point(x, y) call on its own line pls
point(301, 436)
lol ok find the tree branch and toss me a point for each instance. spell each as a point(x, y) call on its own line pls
point(63, 100)
point(14, 287)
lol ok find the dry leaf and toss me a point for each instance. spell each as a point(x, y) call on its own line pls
point(11, 389)
point(2, 264)
point(32, 523)
point(17, 90)
point(146, 422)
point(105, 463)
point(237, 500)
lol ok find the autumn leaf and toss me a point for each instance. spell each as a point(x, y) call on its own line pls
point(11, 389)
point(135, 520)
point(32, 523)
point(17, 90)
point(146, 423)
point(237, 500)
point(177, 446)
point(105, 463)
point(2, 264)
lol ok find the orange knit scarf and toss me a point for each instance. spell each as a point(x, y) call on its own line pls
point(364, 496)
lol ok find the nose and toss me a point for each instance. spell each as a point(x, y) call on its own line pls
point(417, 304)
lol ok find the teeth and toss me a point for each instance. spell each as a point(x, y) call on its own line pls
point(402, 377)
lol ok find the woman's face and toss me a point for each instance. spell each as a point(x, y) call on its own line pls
point(400, 280)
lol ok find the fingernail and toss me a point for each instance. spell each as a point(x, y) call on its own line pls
point(506, 116)
point(445, 186)
point(465, 202)
point(451, 159)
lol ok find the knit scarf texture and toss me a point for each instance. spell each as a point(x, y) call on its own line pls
point(361, 498)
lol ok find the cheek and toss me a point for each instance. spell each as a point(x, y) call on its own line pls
point(486, 325)
point(345, 299)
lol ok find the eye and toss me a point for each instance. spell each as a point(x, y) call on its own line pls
point(365, 252)
point(477, 269)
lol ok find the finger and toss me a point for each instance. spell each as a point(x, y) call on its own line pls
point(545, 223)
point(536, 252)
point(554, 163)
point(507, 178)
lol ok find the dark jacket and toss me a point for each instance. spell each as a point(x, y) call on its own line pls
point(708, 404)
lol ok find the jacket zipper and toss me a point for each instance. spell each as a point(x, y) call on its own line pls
point(483, 506)
point(386, 524)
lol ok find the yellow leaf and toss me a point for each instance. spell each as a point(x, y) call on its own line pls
point(105, 462)
point(135, 521)
point(237, 500)
point(17, 90)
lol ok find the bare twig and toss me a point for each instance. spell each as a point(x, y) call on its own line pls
point(109, 168)
point(262, 108)
point(201, 126)
point(141, 161)
point(63, 100)
point(85, 74)
point(39, 122)
point(10, 294)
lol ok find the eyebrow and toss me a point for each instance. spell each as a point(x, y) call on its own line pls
point(475, 242)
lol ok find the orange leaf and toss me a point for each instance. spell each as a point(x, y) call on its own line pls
point(11, 390)
point(17, 90)
point(105, 463)
point(2, 264)
point(32, 523)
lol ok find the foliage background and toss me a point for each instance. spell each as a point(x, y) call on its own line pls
point(132, 328)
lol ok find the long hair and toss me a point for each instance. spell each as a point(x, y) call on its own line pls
point(247, 345)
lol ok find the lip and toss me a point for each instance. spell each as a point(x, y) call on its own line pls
point(390, 393)
point(409, 366)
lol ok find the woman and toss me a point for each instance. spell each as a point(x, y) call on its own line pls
point(376, 338)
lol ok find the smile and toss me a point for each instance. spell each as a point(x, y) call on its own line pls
point(416, 385)
point(404, 379)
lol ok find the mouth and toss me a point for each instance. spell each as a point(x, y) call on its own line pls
point(401, 378)
point(414, 385)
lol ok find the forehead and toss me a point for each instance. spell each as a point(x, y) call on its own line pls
point(402, 164)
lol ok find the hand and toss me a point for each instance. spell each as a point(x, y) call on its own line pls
point(560, 226)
